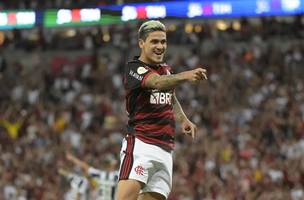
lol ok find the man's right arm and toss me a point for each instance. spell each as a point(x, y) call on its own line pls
point(166, 82)
point(83, 165)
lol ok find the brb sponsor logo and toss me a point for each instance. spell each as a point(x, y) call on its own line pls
point(158, 97)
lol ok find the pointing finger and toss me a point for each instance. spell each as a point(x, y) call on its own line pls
point(193, 132)
point(205, 76)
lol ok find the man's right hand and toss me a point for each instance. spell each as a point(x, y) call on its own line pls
point(195, 75)
point(69, 157)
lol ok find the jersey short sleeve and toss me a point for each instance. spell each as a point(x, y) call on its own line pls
point(78, 183)
point(93, 172)
point(136, 74)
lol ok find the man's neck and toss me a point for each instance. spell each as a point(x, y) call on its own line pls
point(146, 61)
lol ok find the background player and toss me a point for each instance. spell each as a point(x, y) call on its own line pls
point(105, 181)
point(78, 185)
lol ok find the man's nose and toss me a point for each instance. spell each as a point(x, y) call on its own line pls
point(159, 46)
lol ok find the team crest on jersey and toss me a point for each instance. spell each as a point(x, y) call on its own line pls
point(139, 170)
point(141, 70)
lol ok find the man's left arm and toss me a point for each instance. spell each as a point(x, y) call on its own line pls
point(187, 126)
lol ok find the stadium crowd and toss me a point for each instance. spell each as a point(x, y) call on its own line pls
point(63, 94)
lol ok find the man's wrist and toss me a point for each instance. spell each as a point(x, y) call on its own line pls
point(181, 76)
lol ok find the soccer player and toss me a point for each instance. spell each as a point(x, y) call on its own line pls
point(152, 106)
point(106, 180)
point(78, 185)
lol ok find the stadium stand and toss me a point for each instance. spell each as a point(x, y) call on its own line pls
point(61, 89)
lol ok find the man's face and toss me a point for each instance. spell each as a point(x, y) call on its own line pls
point(154, 47)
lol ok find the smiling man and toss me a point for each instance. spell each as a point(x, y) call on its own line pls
point(146, 153)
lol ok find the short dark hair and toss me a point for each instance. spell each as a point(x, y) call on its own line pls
point(148, 27)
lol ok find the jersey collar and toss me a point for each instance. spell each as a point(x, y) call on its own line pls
point(136, 58)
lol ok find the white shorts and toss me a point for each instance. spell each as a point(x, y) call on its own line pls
point(146, 163)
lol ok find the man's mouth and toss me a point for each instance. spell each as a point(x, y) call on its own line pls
point(159, 53)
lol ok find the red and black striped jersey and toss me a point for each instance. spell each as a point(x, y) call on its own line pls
point(151, 116)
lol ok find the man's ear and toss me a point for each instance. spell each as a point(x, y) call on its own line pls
point(141, 43)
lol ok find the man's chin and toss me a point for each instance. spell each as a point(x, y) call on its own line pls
point(158, 61)
point(155, 60)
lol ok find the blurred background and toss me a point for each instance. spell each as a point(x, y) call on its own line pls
point(61, 90)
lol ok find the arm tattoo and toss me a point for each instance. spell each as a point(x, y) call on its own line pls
point(164, 82)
